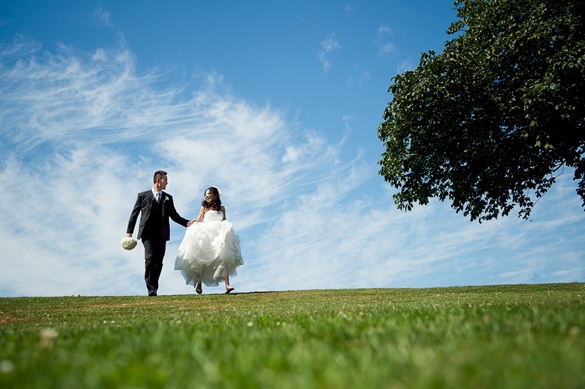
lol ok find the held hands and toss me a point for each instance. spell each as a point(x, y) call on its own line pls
point(191, 222)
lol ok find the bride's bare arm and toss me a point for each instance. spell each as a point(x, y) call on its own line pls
point(201, 215)
point(223, 210)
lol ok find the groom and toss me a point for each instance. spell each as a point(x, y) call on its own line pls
point(154, 229)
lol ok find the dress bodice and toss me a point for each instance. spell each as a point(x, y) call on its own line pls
point(213, 216)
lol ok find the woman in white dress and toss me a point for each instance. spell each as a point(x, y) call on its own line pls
point(210, 251)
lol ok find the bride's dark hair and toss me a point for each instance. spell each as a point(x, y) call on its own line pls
point(215, 205)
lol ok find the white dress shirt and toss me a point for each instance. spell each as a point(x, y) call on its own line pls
point(156, 194)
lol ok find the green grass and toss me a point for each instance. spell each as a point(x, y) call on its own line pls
point(513, 336)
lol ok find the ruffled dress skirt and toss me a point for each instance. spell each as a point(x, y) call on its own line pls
point(209, 251)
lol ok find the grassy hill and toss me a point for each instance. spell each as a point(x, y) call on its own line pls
point(512, 336)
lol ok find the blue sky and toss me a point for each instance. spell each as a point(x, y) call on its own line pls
point(278, 104)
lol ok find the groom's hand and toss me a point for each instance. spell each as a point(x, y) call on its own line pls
point(128, 235)
point(191, 222)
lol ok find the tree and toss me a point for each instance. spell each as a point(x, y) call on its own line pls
point(491, 122)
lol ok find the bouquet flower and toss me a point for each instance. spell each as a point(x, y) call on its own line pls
point(128, 243)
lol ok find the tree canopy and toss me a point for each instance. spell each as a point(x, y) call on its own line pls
point(491, 122)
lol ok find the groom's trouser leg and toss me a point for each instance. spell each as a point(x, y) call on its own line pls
point(154, 252)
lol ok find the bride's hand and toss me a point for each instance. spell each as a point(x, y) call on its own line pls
point(191, 222)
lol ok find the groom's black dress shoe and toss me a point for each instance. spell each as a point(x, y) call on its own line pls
point(152, 293)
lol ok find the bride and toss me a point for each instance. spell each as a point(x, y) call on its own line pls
point(210, 251)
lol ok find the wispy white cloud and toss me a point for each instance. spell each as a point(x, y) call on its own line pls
point(404, 66)
point(348, 9)
point(328, 45)
point(72, 124)
point(62, 216)
point(327, 240)
point(514, 273)
point(359, 79)
point(21, 45)
point(103, 15)
point(82, 133)
point(386, 48)
point(384, 31)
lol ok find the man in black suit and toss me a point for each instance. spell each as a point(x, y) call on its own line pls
point(156, 207)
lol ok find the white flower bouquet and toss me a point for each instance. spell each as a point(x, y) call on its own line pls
point(128, 243)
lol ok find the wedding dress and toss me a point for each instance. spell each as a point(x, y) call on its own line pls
point(209, 251)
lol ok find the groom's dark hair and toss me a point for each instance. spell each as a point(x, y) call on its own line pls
point(160, 174)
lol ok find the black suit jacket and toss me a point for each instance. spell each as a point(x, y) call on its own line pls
point(144, 204)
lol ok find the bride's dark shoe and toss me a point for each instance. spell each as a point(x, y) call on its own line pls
point(229, 289)
point(198, 289)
